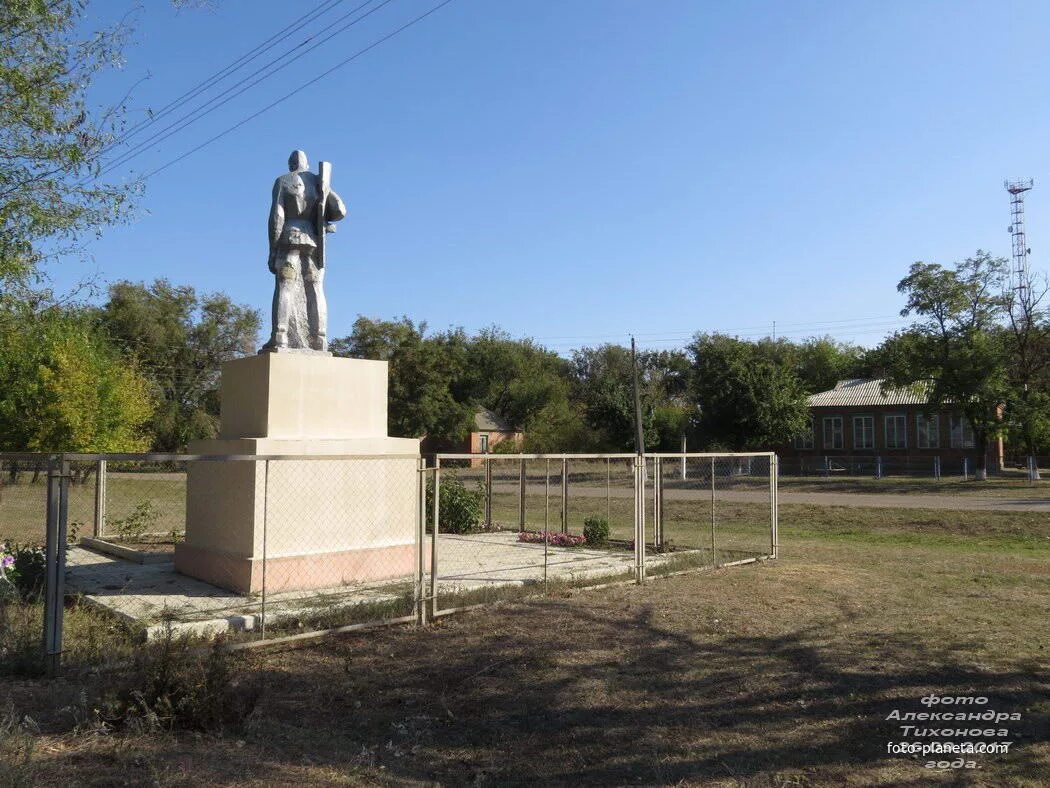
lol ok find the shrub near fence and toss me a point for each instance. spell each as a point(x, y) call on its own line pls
point(503, 526)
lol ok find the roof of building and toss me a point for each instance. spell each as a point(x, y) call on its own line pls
point(488, 421)
point(861, 392)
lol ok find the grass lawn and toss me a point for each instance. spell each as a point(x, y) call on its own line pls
point(1008, 485)
point(780, 673)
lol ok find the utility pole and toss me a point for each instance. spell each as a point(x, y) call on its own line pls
point(639, 438)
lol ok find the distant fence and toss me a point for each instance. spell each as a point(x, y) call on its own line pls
point(873, 466)
point(264, 548)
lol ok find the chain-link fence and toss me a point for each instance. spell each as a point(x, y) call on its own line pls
point(869, 466)
point(103, 551)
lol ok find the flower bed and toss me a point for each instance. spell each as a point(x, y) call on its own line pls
point(556, 539)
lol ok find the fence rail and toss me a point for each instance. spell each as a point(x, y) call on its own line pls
point(262, 547)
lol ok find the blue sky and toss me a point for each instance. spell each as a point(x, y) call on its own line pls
point(579, 170)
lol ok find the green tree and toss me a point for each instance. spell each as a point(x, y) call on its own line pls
point(604, 391)
point(526, 384)
point(53, 188)
point(64, 388)
point(955, 343)
point(50, 137)
point(179, 339)
point(744, 399)
point(422, 373)
point(1027, 337)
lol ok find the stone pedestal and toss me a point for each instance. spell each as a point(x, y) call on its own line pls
point(302, 523)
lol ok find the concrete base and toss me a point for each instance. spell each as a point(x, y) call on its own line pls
point(295, 572)
point(306, 523)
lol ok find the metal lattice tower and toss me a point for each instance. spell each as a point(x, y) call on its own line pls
point(1019, 273)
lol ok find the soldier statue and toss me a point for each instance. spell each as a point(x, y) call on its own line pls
point(301, 213)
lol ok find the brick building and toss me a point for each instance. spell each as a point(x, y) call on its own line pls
point(489, 430)
point(858, 421)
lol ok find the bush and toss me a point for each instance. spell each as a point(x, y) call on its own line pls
point(596, 531)
point(461, 509)
point(175, 684)
point(136, 524)
point(22, 570)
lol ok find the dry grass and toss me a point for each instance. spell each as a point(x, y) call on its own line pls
point(773, 674)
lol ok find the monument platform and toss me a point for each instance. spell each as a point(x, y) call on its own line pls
point(342, 506)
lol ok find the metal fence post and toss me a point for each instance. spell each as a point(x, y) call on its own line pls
point(521, 497)
point(683, 458)
point(565, 496)
point(546, 519)
point(658, 522)
point(608, 489)
point(637, 560)
point(100, 498)
point(265, 523)
point(776, 506)
point(966, 468)
point(488, 493)
point(937, 467)
point(639, 531)
point(643, 478)
point(55, 562)
point(434, 532)
point(774, 472)
point(714, 553)
point(421, 518)
point(878, 467)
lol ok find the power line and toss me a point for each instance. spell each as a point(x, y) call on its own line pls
point(687, 333)
point(231, 68)
point(298, 89)
point(202, 111)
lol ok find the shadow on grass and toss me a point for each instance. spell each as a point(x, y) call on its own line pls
point(605, 698)
point(604, 690)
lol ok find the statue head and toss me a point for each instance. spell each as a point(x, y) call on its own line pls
point(297, 161)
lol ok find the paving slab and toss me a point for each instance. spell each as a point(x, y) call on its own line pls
point(157, 597)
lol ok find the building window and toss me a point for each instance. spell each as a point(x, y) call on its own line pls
point(896, 431)
point(483, 443)
point(805, 440)
point(962, 433)
point(927, 431)
point(832, 432)
point(863, 432)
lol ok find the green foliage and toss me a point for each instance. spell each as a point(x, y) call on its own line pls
point(604, 388)
point(461, 510)
point(175, 685)
point(63, 387)
point(745, 400)
point(954, 342)
point(131, 528)
point(596, 531)
point(421, 374)
point(22, 570)
point(50, 137)
point(179, 340)
point(515, 378)
point(53, 190)
point(507, 446)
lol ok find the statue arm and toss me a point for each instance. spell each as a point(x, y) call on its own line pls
point(275, 225)
point(334, 209)
point(276, 215)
